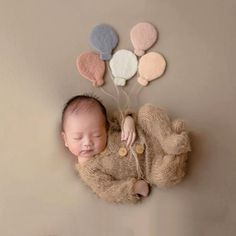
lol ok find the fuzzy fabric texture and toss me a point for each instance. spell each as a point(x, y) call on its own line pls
point(163, 162)
point(103, 38)
point(124, 65)
point(151, 66)
point(91, 67)
point(143, 35)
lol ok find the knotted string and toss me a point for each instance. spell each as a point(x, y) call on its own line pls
point(138, 168)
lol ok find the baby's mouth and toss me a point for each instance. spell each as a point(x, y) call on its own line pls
point(86, 152)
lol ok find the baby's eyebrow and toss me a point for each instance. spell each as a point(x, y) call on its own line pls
point(97, 131)
point(76, 133)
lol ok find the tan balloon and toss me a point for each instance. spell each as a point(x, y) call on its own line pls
point(151, 66)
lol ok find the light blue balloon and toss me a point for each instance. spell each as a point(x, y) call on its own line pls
point(104, 39)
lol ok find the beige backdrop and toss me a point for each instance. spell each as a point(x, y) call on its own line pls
point(40, 194)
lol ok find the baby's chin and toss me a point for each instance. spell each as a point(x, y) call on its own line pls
point(84, 158)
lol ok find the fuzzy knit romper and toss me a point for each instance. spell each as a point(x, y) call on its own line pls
point(171, 145)
point(162, 162)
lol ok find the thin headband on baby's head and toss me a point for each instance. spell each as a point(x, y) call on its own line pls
point(83, 102)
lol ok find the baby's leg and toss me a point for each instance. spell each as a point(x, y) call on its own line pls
point(171, 135)
point(168, 171)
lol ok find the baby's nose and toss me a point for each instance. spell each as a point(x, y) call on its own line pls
point(87, 145)
point(87, 142)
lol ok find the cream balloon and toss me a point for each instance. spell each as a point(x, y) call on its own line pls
point(124, 65)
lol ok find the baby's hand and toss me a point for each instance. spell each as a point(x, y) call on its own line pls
point(141, 187)
point(128, 132)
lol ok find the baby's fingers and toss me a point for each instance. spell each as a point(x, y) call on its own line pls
point(133, 138)
point(130, 139)
point(124, 135)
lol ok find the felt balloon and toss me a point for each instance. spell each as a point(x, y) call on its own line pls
point(91, 67)
point(103, 39)
point(143, 35)
point(151, 66)
point(124, 65)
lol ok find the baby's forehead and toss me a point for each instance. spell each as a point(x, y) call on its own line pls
point(88, 112)
point(82, 108)
point(93, 115)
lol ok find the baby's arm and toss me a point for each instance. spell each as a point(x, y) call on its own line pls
point(125, 122)
point(112, 190)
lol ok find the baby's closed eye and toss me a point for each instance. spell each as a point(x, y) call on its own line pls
point(97, 135)
point(77, 138)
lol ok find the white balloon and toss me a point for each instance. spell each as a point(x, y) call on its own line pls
point(124, 65)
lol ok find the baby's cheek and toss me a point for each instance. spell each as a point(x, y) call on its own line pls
point(103, 144)
point(74, 149)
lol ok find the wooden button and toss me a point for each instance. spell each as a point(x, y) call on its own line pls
point(123, 151)
point(139, 148)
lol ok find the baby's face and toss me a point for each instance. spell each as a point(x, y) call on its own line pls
point(85, 133)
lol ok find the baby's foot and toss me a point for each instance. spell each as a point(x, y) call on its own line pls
point(176, 144)
point(141, 188)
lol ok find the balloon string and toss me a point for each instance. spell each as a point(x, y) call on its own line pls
point(108, 94)
point(128, 102)
point(134, 92)
point(133, 88)
point(139, 88)
point(138, 167)
point(117, 93)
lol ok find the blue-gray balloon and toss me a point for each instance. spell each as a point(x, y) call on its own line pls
point(104, 39)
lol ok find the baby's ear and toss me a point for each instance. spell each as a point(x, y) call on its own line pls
point(63, 135)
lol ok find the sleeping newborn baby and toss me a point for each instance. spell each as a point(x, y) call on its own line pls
point(121, 159)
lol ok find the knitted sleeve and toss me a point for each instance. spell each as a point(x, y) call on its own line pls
point(171, 135)
point(170, 170)
point(108, 188)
